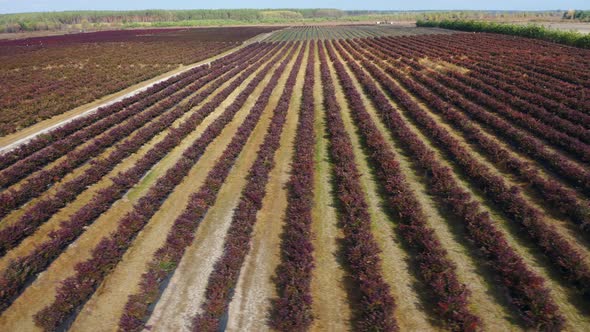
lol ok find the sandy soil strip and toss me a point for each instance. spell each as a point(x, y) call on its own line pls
point(185, 293)
point(330, 302)
point(107, 304)
point(13, 140)
point(53, 223)
point(251, 303)
point(570, 304)
point(42, 291)
point(12, 217)
point(486, 301)
point(410, 314)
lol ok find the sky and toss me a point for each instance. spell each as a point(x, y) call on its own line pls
point(19, 6)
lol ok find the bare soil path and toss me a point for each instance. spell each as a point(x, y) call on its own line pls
point(251, 303)
point(183, 296)
point(330, 302)
point(42, 291)
point(107, 304)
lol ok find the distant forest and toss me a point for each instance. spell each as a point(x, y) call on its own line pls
point(91, 20)
point(580, 15)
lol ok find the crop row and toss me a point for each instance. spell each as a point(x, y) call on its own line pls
point(50, 81)
point(42, 180)
point(524, 87)
point(56, 75)
point(532, 56)
point(76, 289)
point(181, 235)
point(576, 175)
point(327, 32)
point(561, 198)
point(109, 118)
point(561, 253)
point(42, 210)
point(292, 309)
point(526, 121)
point(436, 269)
point(526, 289)
point(493, 83)
point(22, 151)
point(520, 78)
point(19, 271)
point(485, 56)
point(32, 163)
point(226, 270)
point(376, 305)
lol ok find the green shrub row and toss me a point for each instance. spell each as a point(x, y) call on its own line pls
point(570, 38)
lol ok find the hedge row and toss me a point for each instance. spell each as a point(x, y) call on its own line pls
point(375, 310)
point(526, 289)
point(530, 31)
point(22, 269)
point(436, 269)
point(292, 310)
point(182, 233)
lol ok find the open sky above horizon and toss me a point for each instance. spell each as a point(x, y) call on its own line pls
point(11, 6)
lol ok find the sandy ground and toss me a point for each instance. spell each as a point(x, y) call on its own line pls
point(185, 293)
point(330, 302)
point(108, 302)
point(251, 303)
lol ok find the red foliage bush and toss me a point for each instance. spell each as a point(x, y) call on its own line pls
point(361, 251)
point(182, 233)
point(525, 288)
point(292, 310)
point(16, 275)
point(436, 269)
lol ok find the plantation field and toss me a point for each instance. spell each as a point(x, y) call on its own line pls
point(323, 179)
point(45, 76)
point(353, 31)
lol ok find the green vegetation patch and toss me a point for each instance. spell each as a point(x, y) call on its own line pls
point(571, 38)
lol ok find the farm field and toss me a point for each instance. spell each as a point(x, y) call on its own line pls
point(45, 76)
point(325, 179)
point(351, 31)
